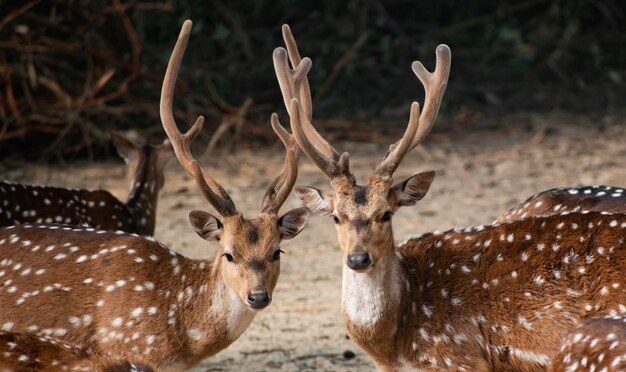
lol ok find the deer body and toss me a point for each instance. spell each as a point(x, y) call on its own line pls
point(174, 311)
point(97, 208)
point(47, 204)
point(573, 199)
point(487, 298)
point(21, 352)
point(597, 344)
point(124, 295)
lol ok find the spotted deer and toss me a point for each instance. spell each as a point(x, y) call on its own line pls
point(120, 293)
point(596, 344)
point(485, 298)
point(27, 352)
point(145, 164)
point(565, 200)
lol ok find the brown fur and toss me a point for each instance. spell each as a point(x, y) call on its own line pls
point(373, 300)
point(87, 288)
point(97, 208)
point(597, 344)
point(349, 210)
point(527, 311)
point(575, 199)
point(22, 352)
point(452, 301)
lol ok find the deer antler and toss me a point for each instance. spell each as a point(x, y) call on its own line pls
point(332, 167)
point(278, 191)
point(435, 84)
point(390, 163)
point(294, 57)
point(294, 84)
point(311, 142)
point(212, 191)
point(296, 93)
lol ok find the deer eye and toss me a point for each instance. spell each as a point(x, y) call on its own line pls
point(229, 257)
point(277, 254)
point(386, 216)
point(336, 219)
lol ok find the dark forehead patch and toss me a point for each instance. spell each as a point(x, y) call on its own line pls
point(256, 264)
point(361, 223)
point(253, 234)
point(360, 195)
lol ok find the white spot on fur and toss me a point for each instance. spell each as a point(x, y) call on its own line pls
point(7, 326)
point(194, 334)
point(527, 356)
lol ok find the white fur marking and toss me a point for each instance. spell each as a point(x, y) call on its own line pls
point(363, 294)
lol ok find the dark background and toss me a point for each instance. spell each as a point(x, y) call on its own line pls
point(72, 70)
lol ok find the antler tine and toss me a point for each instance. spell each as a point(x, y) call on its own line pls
point(391, 162)
point(278, 191)
point(294, 57)
point(435, 84)
point(300, 88)
point(290, 81)
point(286, 138)
point(211, 190)
point(332, 167)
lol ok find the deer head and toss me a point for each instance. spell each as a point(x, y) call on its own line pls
point(362, 213)
point(249, 256)
point(139, 152)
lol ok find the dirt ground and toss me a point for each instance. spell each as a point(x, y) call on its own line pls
point(479, 175)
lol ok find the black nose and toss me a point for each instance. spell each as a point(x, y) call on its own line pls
point(359, 261)
point(258, 300)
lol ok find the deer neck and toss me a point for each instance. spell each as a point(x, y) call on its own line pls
point(144, 190)
point(226, 303)
point(208, 318)
point(372, 302)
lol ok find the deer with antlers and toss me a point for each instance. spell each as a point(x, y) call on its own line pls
point(145, 163)
point(485, 298)
point(27, 352)
point(128, 295)
point(596, 344)
point(572, 199)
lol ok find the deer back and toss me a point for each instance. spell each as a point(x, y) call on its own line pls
point(555, 201)
point(145, 165)
point(46, 204)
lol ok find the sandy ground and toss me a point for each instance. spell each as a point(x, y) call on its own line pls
point(479, 176)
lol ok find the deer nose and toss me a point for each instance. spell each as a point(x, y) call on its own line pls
point(258, 300)
point(359, 261)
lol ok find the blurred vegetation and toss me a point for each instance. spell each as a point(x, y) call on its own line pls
point(73, 69)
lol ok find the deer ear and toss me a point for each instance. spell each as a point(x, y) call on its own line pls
point(165, 153)
point(206, 225)
point(126, 147)
point(409, 191)
point(315, 200)
point(292, 222)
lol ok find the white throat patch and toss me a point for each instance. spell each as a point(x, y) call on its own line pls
point(365, 295)
point(226, 303)
point(239, 316)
